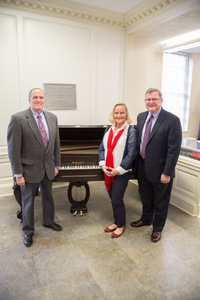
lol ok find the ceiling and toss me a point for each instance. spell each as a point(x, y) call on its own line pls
point(184, 20)
point(155, 20)
point(120, 6)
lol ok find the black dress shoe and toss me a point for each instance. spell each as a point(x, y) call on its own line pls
point(156, 236)
point(54, 227)
point(28, 240)
point(19, 215)
point(139, 224)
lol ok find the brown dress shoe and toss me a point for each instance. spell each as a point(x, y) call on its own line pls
point(139, 223)
point(156, 236)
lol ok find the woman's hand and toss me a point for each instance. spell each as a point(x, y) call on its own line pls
point(110, 172)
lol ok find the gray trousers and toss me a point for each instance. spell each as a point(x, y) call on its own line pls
point(28, 192)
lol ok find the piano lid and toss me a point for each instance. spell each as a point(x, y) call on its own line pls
point(81, 134)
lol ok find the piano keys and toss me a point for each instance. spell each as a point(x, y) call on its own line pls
point(79, 166)
point(79, 162)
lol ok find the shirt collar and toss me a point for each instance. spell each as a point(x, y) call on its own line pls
point(156, 114)
point(35, 114)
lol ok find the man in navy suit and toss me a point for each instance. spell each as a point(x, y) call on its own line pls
point(34, 160)
point(156, 163)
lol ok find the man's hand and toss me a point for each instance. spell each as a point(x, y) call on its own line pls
point(20, 180)
point(56, 172)
point(164, 178)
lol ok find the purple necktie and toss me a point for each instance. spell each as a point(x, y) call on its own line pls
point(42, 130)
point(146, 135)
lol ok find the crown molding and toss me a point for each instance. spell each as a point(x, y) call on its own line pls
point(70, 11)
point(146, 10)
point(84, 13)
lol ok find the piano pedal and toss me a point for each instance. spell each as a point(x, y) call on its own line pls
point(76, 210)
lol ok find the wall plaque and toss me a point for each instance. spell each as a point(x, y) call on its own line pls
point(60, 96)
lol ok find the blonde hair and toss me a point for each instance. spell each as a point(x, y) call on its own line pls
point(111, 118)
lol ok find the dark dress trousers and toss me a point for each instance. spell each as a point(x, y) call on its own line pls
point(162, 152)
point(28, 156)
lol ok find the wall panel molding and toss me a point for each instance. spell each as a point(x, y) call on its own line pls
point(6, 179)
point(186, 186)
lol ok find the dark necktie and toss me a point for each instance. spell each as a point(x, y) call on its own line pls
point(42, 130)
point(146, 135)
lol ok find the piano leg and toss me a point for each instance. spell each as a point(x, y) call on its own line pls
point(78, 195)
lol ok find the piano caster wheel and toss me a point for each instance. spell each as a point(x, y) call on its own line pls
point(78, 202)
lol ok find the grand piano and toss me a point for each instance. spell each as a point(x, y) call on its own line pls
point(79, 162)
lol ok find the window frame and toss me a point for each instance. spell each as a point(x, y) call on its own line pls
point(183, 114)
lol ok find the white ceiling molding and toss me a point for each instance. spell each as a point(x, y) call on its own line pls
point(71, 10)
point(76, 11)
point(147, 10)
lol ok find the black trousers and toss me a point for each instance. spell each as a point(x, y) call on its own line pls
point(28, 192)
point(116, 194)
point(155, 197)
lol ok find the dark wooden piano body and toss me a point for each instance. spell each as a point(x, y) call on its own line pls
point(79, 162)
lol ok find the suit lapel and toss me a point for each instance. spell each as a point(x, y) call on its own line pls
point(158, 123)
point(32, 124)
point(142, 121)
point(49, 123)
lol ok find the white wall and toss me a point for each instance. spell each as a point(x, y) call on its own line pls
point(143, 70)
point(38, 49)
point(9, 75)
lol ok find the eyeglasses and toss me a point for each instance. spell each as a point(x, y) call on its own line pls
point(153, 99)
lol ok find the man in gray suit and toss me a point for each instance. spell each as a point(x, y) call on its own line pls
point(158, 154)
point(35, 159)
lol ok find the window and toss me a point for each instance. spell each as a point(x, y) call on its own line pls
point(175, 85)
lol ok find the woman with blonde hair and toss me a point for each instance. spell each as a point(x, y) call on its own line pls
point(116, 154)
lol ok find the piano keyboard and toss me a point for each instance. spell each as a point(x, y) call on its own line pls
point(79, 166)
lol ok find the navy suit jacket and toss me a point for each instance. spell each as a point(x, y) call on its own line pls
point(163, 147)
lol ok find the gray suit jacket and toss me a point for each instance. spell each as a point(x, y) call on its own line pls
point(26, 149)
point(163, 147)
